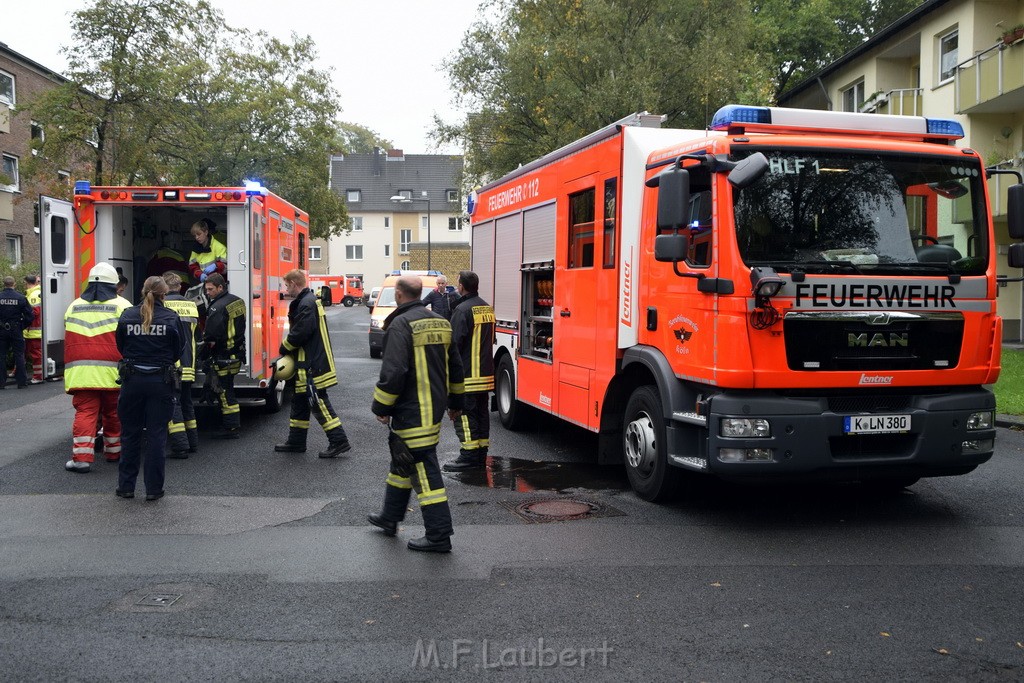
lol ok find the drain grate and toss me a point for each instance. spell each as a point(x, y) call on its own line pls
point(159, 600)
point(560, 509)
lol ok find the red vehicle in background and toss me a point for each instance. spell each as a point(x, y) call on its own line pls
point(333, 289)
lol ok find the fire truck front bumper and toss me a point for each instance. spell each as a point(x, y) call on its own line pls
point(844, 437)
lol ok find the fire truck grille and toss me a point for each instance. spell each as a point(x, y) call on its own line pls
point(873, 341)
point(868, 404)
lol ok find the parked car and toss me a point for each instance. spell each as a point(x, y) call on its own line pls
point(384, 303)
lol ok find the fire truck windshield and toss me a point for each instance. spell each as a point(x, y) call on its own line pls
point(865, 211)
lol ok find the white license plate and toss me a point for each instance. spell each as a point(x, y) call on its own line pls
point(876, 424)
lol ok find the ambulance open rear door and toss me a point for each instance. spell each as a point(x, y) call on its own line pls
point(56, 245)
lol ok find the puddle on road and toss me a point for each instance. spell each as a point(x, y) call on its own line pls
point(525, 476)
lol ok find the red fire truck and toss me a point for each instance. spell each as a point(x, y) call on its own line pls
point(140, 230)
point(790, 294)
point(346, 290)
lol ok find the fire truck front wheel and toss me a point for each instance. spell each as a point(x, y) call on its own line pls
point(511, 411)
point(644, 446)
point(348, 302)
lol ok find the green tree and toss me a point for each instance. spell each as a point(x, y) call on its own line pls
point(351, 138)
point(537, 74)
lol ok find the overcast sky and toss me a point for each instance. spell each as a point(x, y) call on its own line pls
point(386, 54)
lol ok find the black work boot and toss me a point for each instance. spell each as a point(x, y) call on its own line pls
point(335, 449)
point(287, 447)
point(465, 461)
point(228, 433)
point(424, 544)
point(386, 525)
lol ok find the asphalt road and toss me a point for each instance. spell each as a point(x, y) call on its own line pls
point(260, 566)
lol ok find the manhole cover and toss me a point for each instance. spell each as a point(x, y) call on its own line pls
point(550, 509)
point(159, 600)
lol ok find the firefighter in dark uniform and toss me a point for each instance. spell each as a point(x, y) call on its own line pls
point(309, 342)
point(15, 315)
point(420, 376)
point(473, 336)
point(182, 432)
point(224, 346)
point(149, 339)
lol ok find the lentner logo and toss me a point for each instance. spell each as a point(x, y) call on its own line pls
point(875, 379)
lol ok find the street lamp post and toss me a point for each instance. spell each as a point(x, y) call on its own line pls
point(426, 198)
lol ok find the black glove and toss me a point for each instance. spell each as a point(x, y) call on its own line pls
point(402, 460)
point(283, 350)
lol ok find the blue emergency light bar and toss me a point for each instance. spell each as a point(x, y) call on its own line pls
point(83, 187)
point(254, 187)
point(775, 118)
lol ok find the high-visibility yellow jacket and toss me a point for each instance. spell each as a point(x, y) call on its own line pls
point(90, 347)
point(35, 300)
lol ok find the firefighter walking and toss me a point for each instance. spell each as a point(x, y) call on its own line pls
point(15, 315)
point(182, 432)
point(90, 367)
point(224, 346)
point(149, 338)
point(420, 376)
point(473, 336)
point(34, 332)
point(310, 343)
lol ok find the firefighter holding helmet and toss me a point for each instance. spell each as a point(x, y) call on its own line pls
point(90, 367)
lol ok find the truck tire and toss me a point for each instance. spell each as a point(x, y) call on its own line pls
point(644, 444)
point(348, 302)
point(513, 413)
point(275, 397)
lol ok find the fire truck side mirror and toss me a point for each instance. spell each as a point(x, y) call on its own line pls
point(671, 247)
point(748, 171)
point(673, 198)
point(1015, 211)
point(1015, 256)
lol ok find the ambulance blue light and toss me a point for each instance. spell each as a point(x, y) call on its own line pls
point(82, 187)
point(254, 187)
point(945, 127)
point(733, 114)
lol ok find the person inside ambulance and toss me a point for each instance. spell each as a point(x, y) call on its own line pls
point(210, 252)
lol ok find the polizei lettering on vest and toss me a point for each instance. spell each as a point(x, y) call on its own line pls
point(875, 296)
point(136, 330)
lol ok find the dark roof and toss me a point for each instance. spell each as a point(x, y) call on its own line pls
point(869, 44)
point(378, 178)
point(34, 65)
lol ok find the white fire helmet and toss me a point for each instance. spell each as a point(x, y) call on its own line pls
point(103, 272)
point(284, 369)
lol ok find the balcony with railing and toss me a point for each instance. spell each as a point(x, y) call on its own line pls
point(898, 101)
point(991, 81)
point(999, 184)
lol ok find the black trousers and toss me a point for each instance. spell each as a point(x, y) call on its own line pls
point(13, 341)
point(229, 412)
point(298, 424)
point(433, 499)
point(146, 401)
point(182, 431)
point(473, 427)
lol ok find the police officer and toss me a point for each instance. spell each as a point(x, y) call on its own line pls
point(420, 376)
point(309, 342)
point(224, 345)
point(15, 316)
point(473, 336)
point(182, 431)
point(150, 341)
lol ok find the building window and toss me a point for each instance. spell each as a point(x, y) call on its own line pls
point(948, 55)
point(405, 194)
point(64, 177)
point(387, 250)
point(853, 97)
point(387, 221)
point(357, 223)
point(14, 249)
point(7, 89)
point(452, 195)
point(352, 196)
point(405, 238)
point(315, 253)
point(94, 137)
point(353, 252)
point(454, 223)
point(406, 265)
point(9, 173)
point(425, 221)
point(38, 137)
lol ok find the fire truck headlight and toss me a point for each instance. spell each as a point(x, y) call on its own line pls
point(979, 446)
point(981, 420)
point(745, 455)
point(750, 428)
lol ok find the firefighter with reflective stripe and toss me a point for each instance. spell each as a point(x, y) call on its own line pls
point(34, 332)
point(15, 316)
point(309, 342)
point(210, 254)
point(224, 345)
point(473, 336)
point(150, 339)
point(90, 366)
point(182, 432)
point(420, 376)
